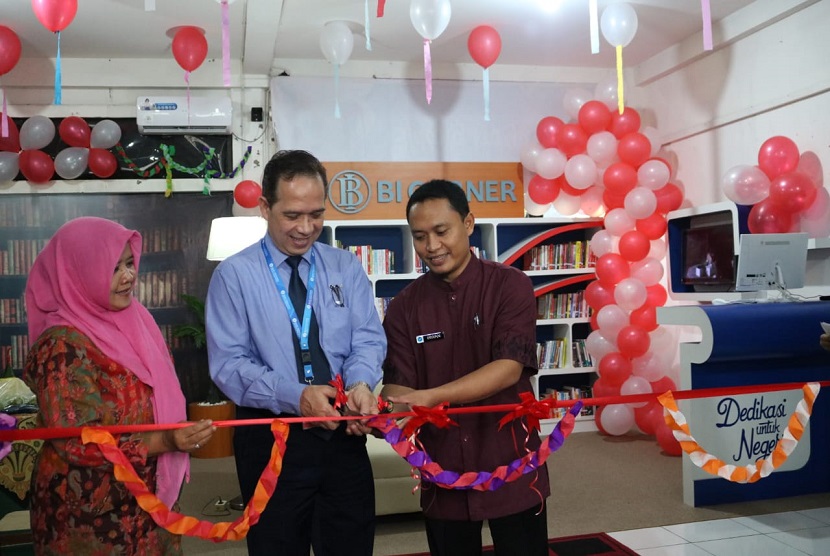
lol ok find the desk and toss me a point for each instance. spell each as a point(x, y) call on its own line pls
point(747, 344)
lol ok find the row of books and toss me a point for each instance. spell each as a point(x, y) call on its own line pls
point(553, 354)
point(19, 256)
point(566, 393)
point(159, 240)
point(162, 288)
point(422, 268)
point(13, 310)
point(381, 304)
point(14, 354)
point(374, 261)
point(559, 256)
point(562, 306)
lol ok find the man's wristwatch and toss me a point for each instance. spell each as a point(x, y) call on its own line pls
point(354, 385)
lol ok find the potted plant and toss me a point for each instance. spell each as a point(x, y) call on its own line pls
point(215, 406)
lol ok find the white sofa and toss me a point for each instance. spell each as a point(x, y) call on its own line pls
point(393, 480)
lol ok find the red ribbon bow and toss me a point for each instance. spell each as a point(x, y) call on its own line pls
point(532, 408)
point(436, 415)
point(340, 398)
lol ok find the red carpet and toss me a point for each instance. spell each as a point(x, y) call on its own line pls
point(578, 545)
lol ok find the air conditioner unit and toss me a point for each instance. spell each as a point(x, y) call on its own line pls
point(178, 116)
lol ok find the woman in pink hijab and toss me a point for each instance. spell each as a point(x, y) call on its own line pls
point(98, 358)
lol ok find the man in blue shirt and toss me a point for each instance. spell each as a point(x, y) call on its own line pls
point(264, 352)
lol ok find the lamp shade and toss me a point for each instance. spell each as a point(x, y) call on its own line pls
point(232, 234)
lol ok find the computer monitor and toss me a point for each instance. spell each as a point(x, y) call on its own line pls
point(771, 262)
point(708, 256)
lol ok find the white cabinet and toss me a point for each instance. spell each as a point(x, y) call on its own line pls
point(558, 278)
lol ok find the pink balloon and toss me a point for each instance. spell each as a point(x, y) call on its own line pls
point(618, 221)
point(654, 173)
point(809, 164)
point(768, 218)
point(777, 156)
point(635, 386)
point(55, 15)
point(484, 45)
point(601, 243)
point(630, 294)
point(649, 271)
point(611, 268)
point(640, 202)
point(581, 171)
point(617, 419)
point(611, 319)
point(602, 147)
point(793, 192)
point(598, 346)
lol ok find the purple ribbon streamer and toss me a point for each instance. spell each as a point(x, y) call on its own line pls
point(706, 10)
point(428, 70)
point(4, 125)
point(226, 44)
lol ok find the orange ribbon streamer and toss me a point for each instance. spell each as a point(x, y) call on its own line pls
point(185, 525)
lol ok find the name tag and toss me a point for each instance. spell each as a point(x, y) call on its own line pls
point(421, 338)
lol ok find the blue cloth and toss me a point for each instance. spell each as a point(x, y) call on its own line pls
point(249, 335)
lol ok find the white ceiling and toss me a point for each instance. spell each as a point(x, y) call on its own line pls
point(272, 35)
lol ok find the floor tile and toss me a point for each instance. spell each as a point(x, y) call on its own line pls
point(710, 530)
point(675, 550)
point(777, 523)
point(821, 514)
point(756, 545)
point(647, 538)
point(809, 541)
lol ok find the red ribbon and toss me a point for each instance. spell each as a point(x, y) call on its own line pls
point(340, 398)
point(436, 415)
point(533, 409)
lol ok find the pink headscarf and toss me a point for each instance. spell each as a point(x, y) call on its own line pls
point(70, 285)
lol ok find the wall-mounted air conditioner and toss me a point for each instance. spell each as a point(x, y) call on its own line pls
point(177, 116)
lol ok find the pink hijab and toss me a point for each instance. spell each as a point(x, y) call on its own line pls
point(70, 285)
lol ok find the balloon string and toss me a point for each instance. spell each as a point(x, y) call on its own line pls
point(706, 12)
point(337, 91)
point(592, 8)
point(620, 101)
point(428, 70)
point(58, 71)
point(4, 124)
point(226, 44)
point(366, 24)
point(486, 83)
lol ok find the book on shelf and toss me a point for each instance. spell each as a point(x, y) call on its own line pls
point(571, 305)
point(568, 393)
point(559, 256)
point(381, 305)
point(581, 357)
point(551, 354)
point(373, 261)
point(422, 268)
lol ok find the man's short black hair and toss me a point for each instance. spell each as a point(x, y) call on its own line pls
point(441, 189)
point(286, 165)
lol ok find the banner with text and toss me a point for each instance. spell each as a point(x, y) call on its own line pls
point(380, 190)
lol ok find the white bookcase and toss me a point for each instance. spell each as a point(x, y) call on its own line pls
point(505, 240)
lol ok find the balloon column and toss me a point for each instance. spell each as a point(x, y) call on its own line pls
point(56, 15)
point(786, 190)
point(337, 43)
point(484, 44)
point(604, 163)
point(9, 56)
point(430, 18)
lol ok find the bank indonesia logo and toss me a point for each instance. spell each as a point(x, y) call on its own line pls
point(349, 192)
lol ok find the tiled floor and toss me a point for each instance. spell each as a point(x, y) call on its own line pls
point(782, 534)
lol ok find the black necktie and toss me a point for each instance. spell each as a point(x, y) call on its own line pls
point(297, 292)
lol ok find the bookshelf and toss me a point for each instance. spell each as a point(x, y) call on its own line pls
point(553, 252)
point(174, 232)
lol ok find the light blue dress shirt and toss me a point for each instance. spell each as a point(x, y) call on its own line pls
point(249, 334)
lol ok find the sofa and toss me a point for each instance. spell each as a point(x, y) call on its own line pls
point(393, 480)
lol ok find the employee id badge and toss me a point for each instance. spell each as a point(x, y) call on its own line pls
point(429, 337)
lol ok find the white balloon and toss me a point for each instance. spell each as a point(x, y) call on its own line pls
point(104, 135)
point(745, 184)
point(566, 205)
point(617, 419)
point(591, 202)
point(658, 249)
point(602, 147)
point(430, 17)
point(618, 24)
point(617, 222)
point(635, 385)
point(653, 174)
point(640, 203)
point(529, 155)
point(71, 162)
point(611, 320)
point(9, 167)
point(630, 294)
point(815, 221)
point(648, 366)
point(602, 242)
point(535, 209)
point(649, 271)
point(598, 346)
point(606, 91)
point(581, 171)
point(654, 138)
point(550, 163)
point(573, 101)
point(336, 42)
point(36, 133)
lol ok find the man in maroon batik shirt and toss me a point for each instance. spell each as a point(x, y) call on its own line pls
point(465, 333)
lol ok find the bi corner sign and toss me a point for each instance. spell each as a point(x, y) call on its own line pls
point(380, 190)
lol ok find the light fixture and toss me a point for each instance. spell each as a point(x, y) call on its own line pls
point(232, 234)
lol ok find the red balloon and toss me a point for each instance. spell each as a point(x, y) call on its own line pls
point(547, 131)
point(598, 296)
point(598, 419)
point(663, 385)
point(542, 191)
point(667, 441)
point(633, 341)
point(625, 123)
point(634, 148)
point(669, 198)
point(572, 140)
point(594, 116)
point(247, 193)
point(102, 163)
point(612, 200)
point(565, 187)
point(777, 156)
point(615, 368)
point(611, 268)
point(648, 417)
point(9, 49)
point(12, 142)
point(189, 47)
point(654, 226)
point(55, 15)
point(74, 131)
point(634, 246)
point(645, 317)
point(768, 218)
point(656, 295)
point(484, 44)
point(593, 322)
point(602, 388)
point(620, 178)
point(36, 166)
point(792, 192)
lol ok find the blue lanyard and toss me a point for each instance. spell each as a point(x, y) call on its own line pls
point(302, 333)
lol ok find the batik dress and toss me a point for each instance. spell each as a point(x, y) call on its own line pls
point(78, 507)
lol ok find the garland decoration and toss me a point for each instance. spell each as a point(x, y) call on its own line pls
point(753, 472)
point(471, 480)
point(180, 524)
point(168, 164)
